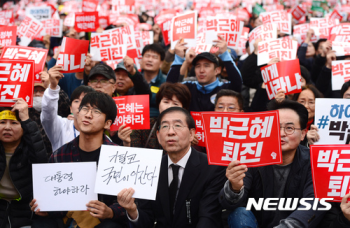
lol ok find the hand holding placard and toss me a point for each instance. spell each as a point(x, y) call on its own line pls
point(235, 173)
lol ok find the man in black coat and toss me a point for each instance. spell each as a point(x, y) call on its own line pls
point(188, 188)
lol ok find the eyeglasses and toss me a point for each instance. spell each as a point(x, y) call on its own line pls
point(39, 90)
point(289, 129)
point(229, 108)
point(165, 127)
point(310, 103)
point(102, 81)
point(94, 111)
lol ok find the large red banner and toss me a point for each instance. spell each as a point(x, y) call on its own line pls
point(133, 110)
point(73, 55)
point(26, 53)
point(252, 138)
point(283, 75)
point(330, 170)
point(197, 116)
point(184, 27)
point(16, 81)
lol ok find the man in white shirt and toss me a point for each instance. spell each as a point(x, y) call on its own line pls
point(187, 194)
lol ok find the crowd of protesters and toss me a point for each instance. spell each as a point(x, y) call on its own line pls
point(72, 114)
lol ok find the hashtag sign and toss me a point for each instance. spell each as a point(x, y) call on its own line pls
point(323, 122)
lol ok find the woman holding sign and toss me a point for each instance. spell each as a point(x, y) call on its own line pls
point(21, 146)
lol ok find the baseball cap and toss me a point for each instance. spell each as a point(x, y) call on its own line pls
point(104, 70)
point(206, 55)
point(120, 65)
point(39, 84)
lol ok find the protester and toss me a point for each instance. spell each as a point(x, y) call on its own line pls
point(228, 101)
point(59, 129)
point(345, 91)
point(206, 68)
point(192, 198)
point(97, 111)
point(21, 146)
point(291, 179)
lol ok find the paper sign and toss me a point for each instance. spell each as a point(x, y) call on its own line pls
point(164, 15)
point(127, 30)
point(330, 171)
point(230, 30)
point(25, 53)
point(283, 75)
point(241, 49)
point(324, 25)
point(8, 35)
point(69, 20)
point(184, 26)
point(103, 21)
point(166, 26)
point(108, 46)
point(90, 5)
point(6, 17)
point(265, 32)
point(252, 138)
point(28, 29)
point(39, 13)
point(340, 33)
point(86, 22)
point(341, 48)
point(204, 41)
point(281, 18)
point(298, 12)
point(64, 186)
point(72, 55)
point(133, 110)
point(336, 15)
point(332, 118)
point(52, 27)
point(282, 49)
point(197, 117)
point(340, 72)
point(128, 167)
point(16, 81)
point(300, 31)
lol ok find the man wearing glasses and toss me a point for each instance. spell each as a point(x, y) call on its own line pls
point(97, 111)
point(188, 188)
point(291, 179)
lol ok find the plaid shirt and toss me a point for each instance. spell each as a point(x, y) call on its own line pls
point(70, 153)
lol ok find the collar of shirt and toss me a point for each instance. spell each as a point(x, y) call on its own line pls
point(182, 163)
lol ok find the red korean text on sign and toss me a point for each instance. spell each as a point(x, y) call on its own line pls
point(283, 75)
point(86, 22)
point(73, 55)
point(133, 111)
point(52, 27)
point(184, 27)
point(230, 30)
point(8, 35)
point(28, 29)
point(252, 138)
point(284, 49)
point(330, 170)
point(6, 17)
point(16, 81)
point(197, 116)
point(109, 46)
point(127, 30)
point(26, 53)
point(281, 18)
point(340, 33)
point(340, 73)
point(298, 13)
point(90, 5)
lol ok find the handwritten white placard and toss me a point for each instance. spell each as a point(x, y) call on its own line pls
point(64, 186)
point(127, 167)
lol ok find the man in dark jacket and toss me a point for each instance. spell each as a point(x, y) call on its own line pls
point(206, 65)
point(291, 179)
point(97, 111)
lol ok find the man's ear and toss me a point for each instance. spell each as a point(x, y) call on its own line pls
point(108, 124)
point(303, 134)
point(192, 133)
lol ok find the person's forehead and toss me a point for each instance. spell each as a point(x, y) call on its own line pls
point(151, 52)
point(288, 116)
point(227, 99)
point(174, 117)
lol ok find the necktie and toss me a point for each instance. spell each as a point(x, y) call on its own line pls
point(173, 187)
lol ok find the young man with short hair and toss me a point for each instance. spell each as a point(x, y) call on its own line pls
point(228, 101)
point(97, 111)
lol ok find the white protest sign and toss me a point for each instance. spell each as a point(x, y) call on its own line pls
point(108, 46)
point(184, 26)
point(341, 48)
point(39, 13)
point(332, 120)
point(124, 167)
point(265, 32)
point(340, 73)
point(205, 41)
point(282, 49)
point(64, 186)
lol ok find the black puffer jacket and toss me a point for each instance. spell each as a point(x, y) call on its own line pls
point(30, 150)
